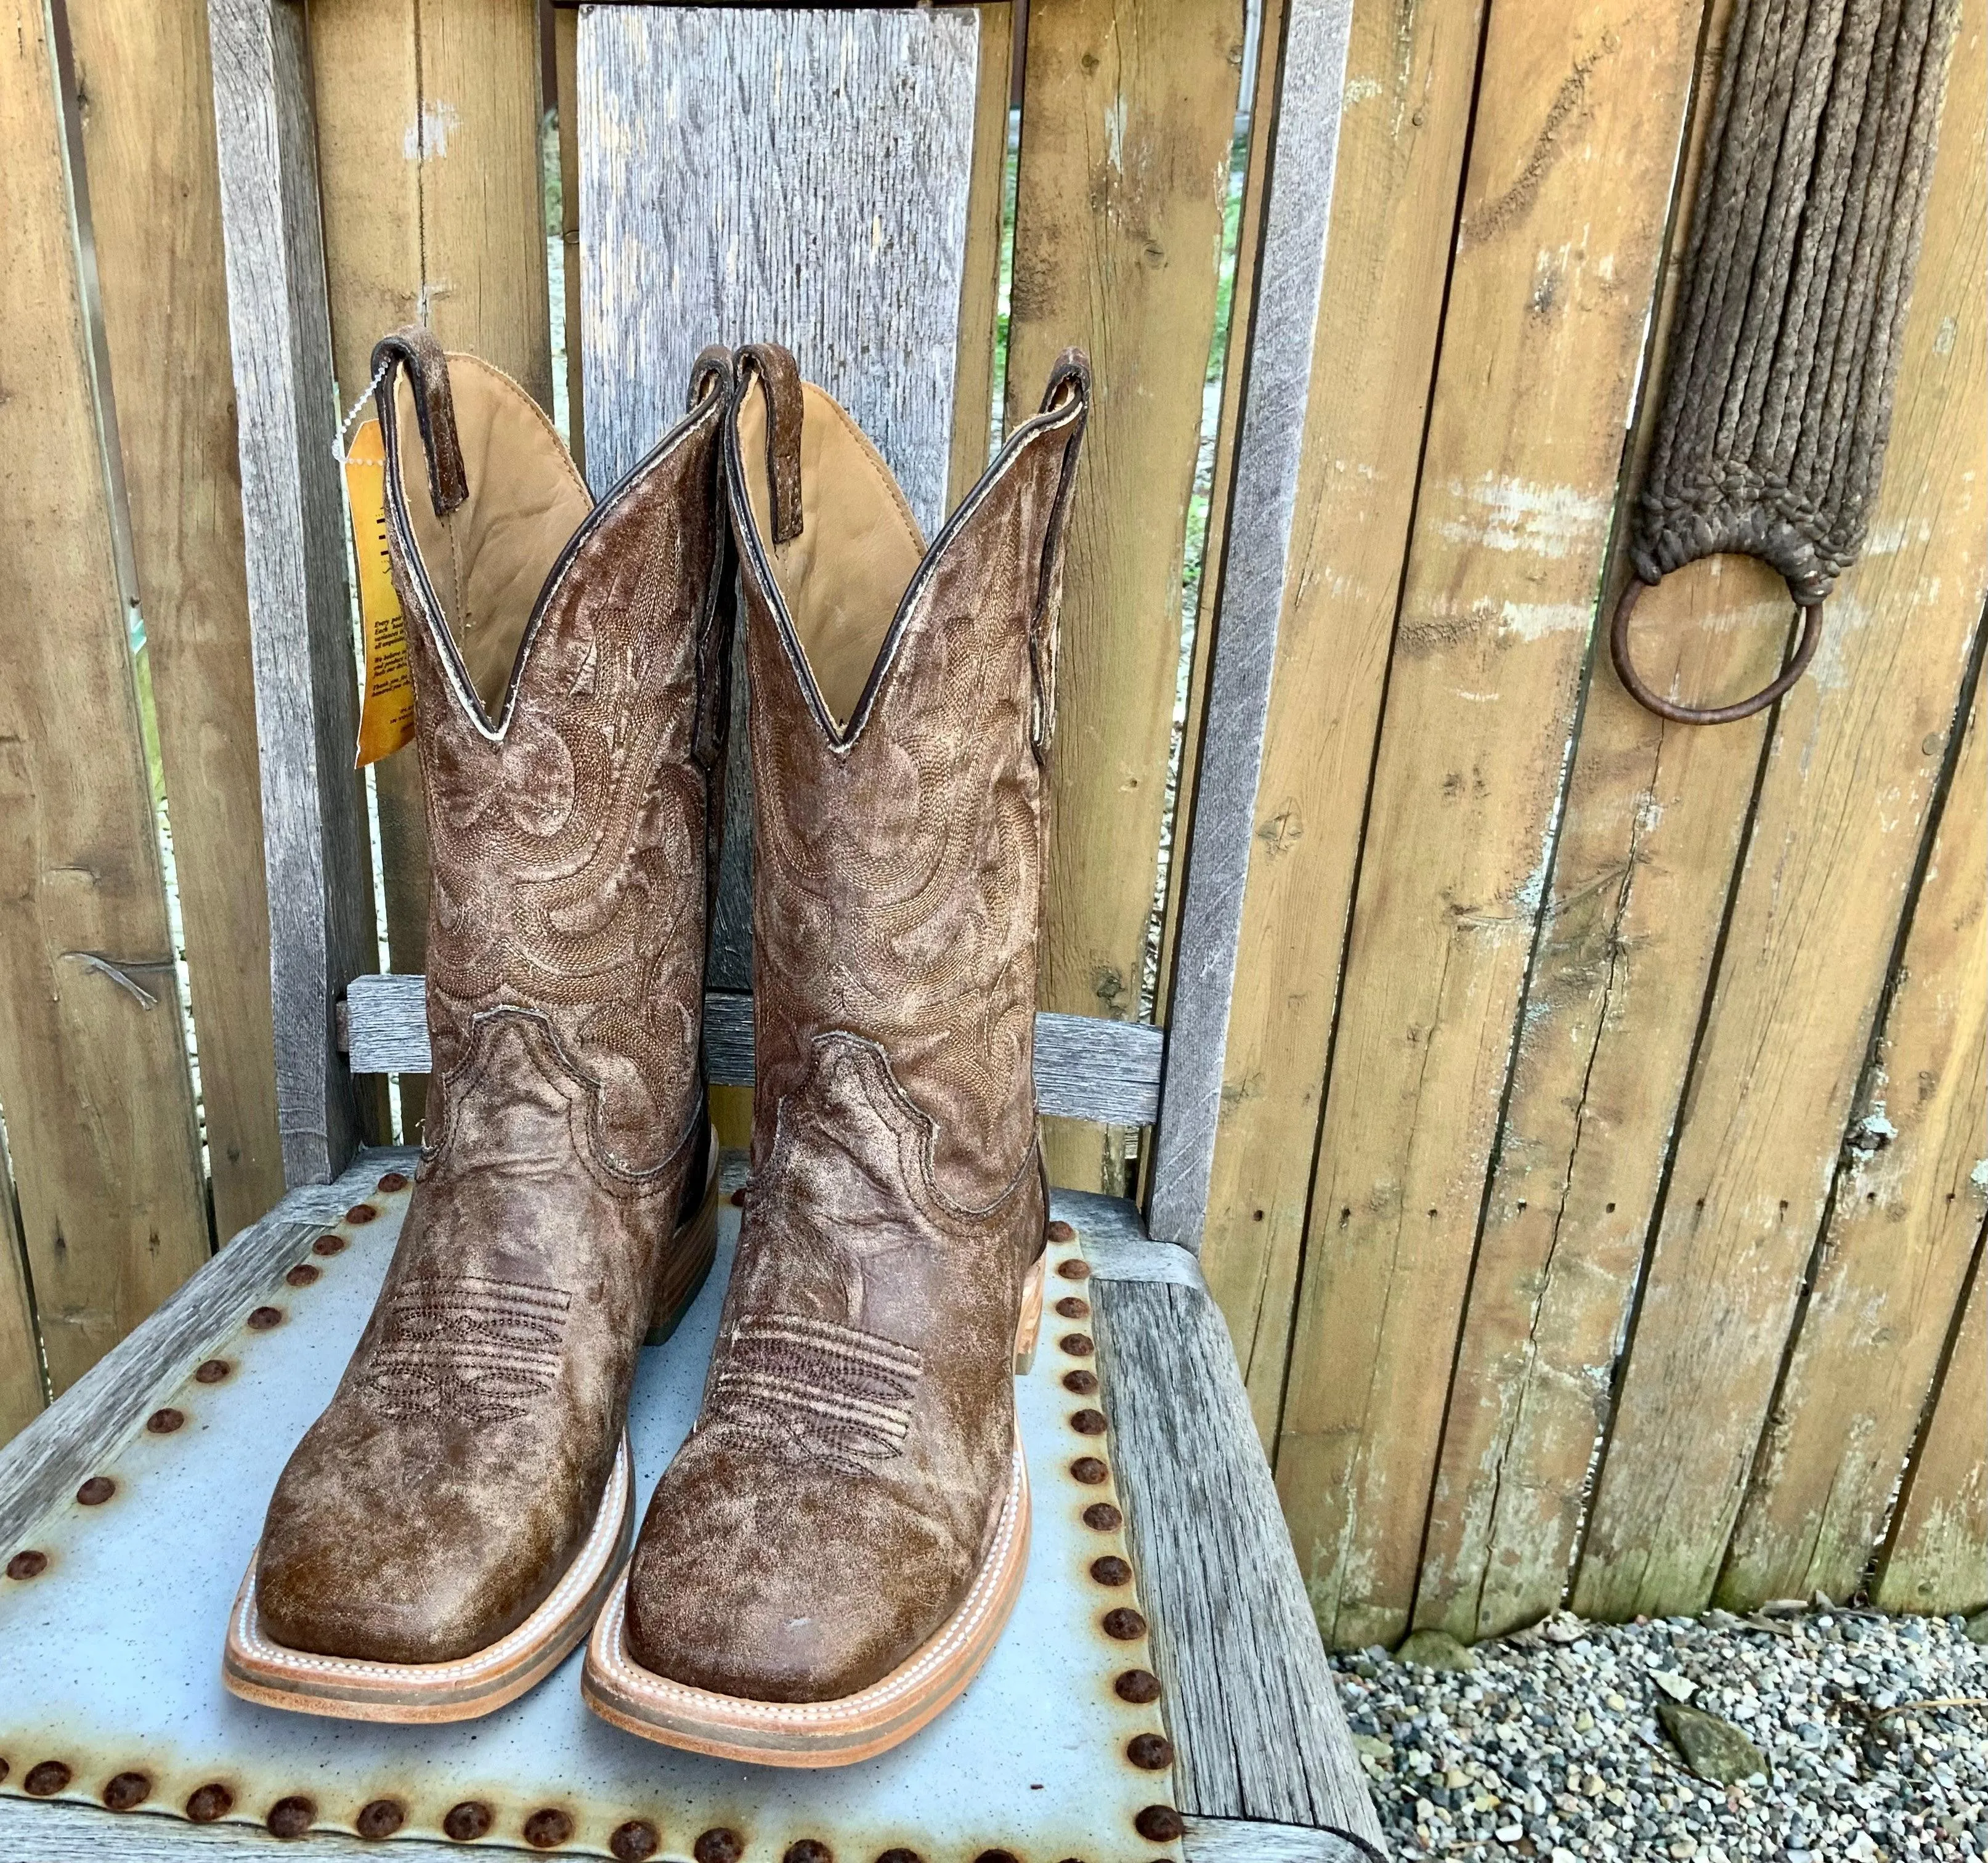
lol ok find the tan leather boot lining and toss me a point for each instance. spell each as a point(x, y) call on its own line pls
point(488, 560)
point(843, 576)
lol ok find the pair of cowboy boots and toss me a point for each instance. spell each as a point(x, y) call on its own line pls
point(832, 1553)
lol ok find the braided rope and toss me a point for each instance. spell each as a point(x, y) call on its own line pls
point(1777, 394)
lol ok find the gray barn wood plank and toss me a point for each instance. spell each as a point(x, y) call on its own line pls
point(1255, 562)
point(1086, 1067)
point(748, 173)
point(313, 811)
point(1257, 1725)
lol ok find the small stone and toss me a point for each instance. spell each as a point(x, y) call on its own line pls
point(1977, 1627)
point(1677, 1687)
point(1715, 1750)
point(1434, 1649)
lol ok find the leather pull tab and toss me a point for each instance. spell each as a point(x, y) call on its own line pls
point(780, 382)
point(710, 374)
point(1069, 381)
point(435, 410)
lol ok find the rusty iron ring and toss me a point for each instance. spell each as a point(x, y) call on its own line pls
point(1618, 646)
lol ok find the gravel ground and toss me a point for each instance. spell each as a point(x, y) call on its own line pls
point(1550, 1745)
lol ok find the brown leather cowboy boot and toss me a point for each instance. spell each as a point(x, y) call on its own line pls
point(833, 1551)
point(445, 1531)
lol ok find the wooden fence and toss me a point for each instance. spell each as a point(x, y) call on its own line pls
point(1598, 1205)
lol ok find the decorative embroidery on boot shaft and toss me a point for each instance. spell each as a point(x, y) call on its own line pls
point(467, 1347)
point(828, 1391)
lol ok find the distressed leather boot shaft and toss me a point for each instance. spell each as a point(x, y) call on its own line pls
point(856, 1454)
point(568, 661)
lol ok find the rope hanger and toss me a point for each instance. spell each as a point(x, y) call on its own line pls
point(1778, 393)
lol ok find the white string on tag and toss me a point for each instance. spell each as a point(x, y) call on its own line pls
point(345, 426)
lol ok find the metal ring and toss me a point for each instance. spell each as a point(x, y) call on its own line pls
point(1618, 646)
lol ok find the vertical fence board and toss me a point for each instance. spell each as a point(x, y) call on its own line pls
point(155, 213)
point(1893, 1271)
point(566, 43)
point(1402, 133)
point(980, 279)
point(429, 164)
point(1128, 119)
point(1937, 1559)
point(1579, 115)
point(1854, 755)
point(21, 1393)
point(98, 1102)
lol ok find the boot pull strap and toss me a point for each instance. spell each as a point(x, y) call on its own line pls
point(435, 409)
point(779, 381)
point(1069, 381)
point(710, 374)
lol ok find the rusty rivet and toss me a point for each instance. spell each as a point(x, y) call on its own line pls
point(997, 1856)
point(634, 1842)
point(209, 1802)
point(164, 1422)
point(45, 1780)
point(302, 1275)
point(380, 1818)
point(1102, 1517)
point(264, 1317)
point(5, 1769)
point(1061, 1232)
point(392, 1182)
point(1111, 1571)
point(1159, 1823)
point(1076, 1268)
point(467, 1821)
point(547, 1827)
point(328, 1244)
point(1138, 1686)
point(96, 1491)
point(1124, 1623)
point(1152, 1752)
point(28, 1564)
point(1089, 1470)
point(1078, 1345)
point(739, 1197)
point(1087, 1423)
point(291, 1816)
point(1082, 1382)
point(808, 1850)
point(1072, 1308)
point(719, 1845)
point(361, 1212)
point(900, 1856)
point(212, 1371)
point(126, 1790)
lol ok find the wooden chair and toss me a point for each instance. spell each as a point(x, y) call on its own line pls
point(707, 215)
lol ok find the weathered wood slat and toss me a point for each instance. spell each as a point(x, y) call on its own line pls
point(1085, 1067)
point(1936, 1559)
point(155, 222)
point(1256, 560)
point(1581, 110)
point(22, 1395)
point(1655, 816)
point(1855, 754)
point(315, 854)
point(429, 170)
point(1904, 1212)
point(1123, 172)
point(1409, 89)
point(566, 57)
point(1249, 1694)
point(980, 265)
point(99, 1106)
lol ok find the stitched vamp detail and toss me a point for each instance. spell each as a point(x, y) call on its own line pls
point(826, 1391)
point(478, 1350)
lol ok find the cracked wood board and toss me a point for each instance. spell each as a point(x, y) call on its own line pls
point(113, 1647)
point(1580, 114)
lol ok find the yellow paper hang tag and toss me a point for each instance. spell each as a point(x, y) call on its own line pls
point(386, 716)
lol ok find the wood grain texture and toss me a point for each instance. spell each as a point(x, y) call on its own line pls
point(1130, 114)
point(804, 176)
point(1409, 88)
point(98, 1102)
point(21, 1394)
point(429, 168)
point(1851, 767)
point(1906, 1208)
point(1580, 113)
point(1257, 1725)
point(980, 270)
point(1655, 815)
point(1085, 1066)
point(1936, 1559)
point(315, 857)
point(565, 55)
point(147, 131)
